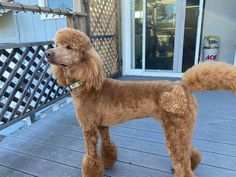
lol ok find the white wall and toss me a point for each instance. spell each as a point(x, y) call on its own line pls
point(220, 20)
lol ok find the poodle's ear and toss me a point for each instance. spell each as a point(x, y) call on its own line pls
point(59, 74)
point(90, 70)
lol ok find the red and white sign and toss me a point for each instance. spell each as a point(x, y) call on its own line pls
point(210, 54)
point(211, 57)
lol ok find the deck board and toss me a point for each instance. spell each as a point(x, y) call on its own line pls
point(53, 146)
point(34, 165)
point(9, 172)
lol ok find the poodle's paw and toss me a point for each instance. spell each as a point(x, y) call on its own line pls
point(190, 174)
point(195, 158)
point(174, 101)
point(181, 171)
point(109, 155)
point(92, 167)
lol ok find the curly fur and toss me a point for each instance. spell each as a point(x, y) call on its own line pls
point(211, 76)
point(58, 72)
point(80, 41)
point(101, 102)
point(92, 166)
point(108, 149)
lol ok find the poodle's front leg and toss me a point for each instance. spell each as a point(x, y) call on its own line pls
point(92, 163)
point(108, 149)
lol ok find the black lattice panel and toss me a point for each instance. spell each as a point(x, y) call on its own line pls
point(25, 82)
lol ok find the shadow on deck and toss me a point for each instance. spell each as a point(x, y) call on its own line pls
point(53, 146)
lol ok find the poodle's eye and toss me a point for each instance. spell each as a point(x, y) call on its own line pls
point(68, 47)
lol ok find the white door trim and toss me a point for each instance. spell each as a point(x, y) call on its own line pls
point(126, 35)
point(235, 58)
point(132, 23)
point(179, 35)
point(144, 36)
point(199, 31)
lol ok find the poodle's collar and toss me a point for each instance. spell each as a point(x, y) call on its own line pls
point(74, 85)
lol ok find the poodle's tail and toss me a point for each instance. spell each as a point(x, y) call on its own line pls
point(211, 76)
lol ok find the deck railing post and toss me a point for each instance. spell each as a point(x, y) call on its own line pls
point(32, 118)
point(70, 22)
point(119, 38)
point(87, 10)
point(75, 21)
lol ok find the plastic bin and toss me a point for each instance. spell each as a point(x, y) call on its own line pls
point(211, 47)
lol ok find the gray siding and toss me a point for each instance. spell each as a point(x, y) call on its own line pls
point(28, 27)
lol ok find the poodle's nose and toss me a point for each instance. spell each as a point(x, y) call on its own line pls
point(49, 54)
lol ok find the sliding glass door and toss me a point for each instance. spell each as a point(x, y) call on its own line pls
point(154, 34)
point(160, 34)
point(164, 35)
point(190, 33)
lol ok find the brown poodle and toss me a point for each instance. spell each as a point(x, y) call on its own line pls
point(101, 102)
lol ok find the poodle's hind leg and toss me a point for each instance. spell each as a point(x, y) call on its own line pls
point(195, 158)
point(92, 163)
point(178, 140)
point(108, 149)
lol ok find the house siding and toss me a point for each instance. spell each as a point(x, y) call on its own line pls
point(28, 27)
point(8, 30)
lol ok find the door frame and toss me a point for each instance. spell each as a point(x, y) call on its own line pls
point(199, 32)
point(128, 40)
point(234, 58)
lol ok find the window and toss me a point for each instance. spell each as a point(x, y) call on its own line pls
point(62, 4)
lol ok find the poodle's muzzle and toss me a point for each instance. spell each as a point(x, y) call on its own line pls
point(50, 56)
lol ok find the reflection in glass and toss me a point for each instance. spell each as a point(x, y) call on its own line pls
point(138, 33)
point(160, 34)
point(190, 33)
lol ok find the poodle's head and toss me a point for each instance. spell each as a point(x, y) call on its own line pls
point(74, 59)
point(71, 46)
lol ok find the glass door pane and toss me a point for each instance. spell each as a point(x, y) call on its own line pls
point(160, 34)
point(190, 33)
point(138, 33)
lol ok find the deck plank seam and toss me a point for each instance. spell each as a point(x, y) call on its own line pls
point(18, 170)
point(39, 157)
point(204, 131)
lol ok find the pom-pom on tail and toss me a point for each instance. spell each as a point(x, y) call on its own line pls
point(211, 76)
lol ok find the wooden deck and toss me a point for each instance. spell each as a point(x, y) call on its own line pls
point(53, 146)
